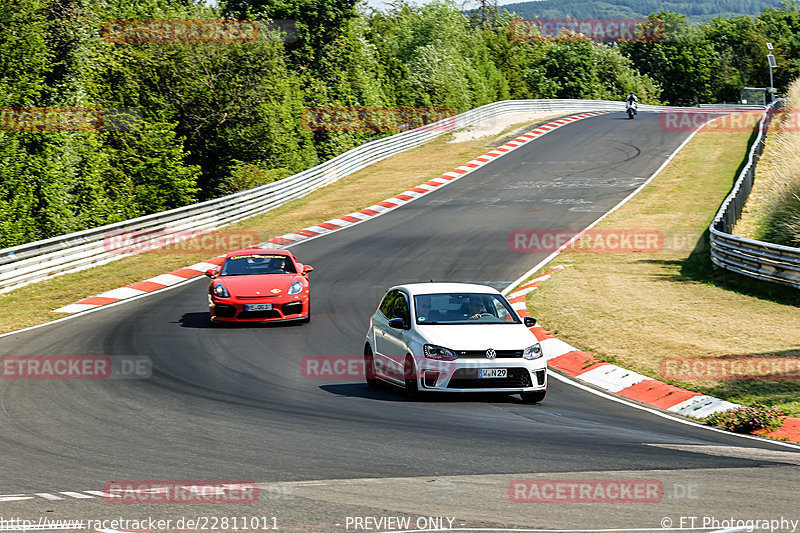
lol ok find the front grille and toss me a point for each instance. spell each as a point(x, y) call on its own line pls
point(292, 308)
point(224, 311)
point(259, 297)
point(467, 378)
point(481, 354)
point(259, 314)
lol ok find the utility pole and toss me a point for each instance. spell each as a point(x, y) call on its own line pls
point(772, 64)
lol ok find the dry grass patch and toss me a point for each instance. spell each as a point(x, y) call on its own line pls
point(772, 211)
point(33, 304)
point(638, 308)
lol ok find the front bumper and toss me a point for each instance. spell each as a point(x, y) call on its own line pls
point(463, 376)
point(283, 308)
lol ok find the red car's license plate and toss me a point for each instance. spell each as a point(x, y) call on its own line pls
point(258, 307)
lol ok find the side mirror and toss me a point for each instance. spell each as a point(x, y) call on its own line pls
point(529, 321)
point(397, 323)
point(210, 272)
point(307, 269)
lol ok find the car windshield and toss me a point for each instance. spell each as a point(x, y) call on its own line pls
point(255, 264)
point(463, 308)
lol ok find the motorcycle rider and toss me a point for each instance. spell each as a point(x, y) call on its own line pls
point(632, 101)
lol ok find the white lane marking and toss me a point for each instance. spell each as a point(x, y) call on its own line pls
point(555, 347)
point(102, 494)
point(121, 292)
point(48, 496)
point(612, 378)
point(202, 267)
point(166, 279)
point(702, 406)
point(75, 308)
point(572, 381)
point(381, 210)
point(76, 495)
point(669, 416)
point(617, 530)
point(625, 200)
point(738, 452)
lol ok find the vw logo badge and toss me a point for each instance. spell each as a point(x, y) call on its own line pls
point(490, 353)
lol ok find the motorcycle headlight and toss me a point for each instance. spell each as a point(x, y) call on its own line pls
point(533, 352)
point(295, 288)
point(221, 291)
point(439, 353)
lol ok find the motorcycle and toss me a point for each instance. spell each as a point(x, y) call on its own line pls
point(631, 109)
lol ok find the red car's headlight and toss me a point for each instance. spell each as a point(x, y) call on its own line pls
point(220, 291)
point(295, 288)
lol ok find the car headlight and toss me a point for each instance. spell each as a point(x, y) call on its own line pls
point(221, 291)
point(295, 287)
point(439, 353)
point(533, 352)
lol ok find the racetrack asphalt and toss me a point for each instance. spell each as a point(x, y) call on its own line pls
point(231, 403)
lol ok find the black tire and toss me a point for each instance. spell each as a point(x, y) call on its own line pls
point(369, 367)
point(410, 374)
point(533, 397)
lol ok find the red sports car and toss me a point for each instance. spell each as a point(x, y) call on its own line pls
point(260, 285)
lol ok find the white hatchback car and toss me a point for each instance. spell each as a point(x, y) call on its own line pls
point(453, 337)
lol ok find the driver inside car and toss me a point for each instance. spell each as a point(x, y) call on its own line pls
point(475, 309)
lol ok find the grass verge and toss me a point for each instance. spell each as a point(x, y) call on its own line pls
point(34, 303)
point(640, 309)
point(772, 211)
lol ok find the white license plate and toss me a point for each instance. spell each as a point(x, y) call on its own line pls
point(258, 307)
point(492, 372)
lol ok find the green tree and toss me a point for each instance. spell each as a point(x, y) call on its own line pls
point(682, 63)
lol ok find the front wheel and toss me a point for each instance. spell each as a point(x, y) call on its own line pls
point(533, 397)
point(369, 367)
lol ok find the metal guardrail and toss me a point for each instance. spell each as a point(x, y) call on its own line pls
point(40, 260)
point(756, 259)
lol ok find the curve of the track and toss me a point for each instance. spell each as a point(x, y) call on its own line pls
point(231, 403)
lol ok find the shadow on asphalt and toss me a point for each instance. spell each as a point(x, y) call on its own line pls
point(201, 321)
point(390, 393)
